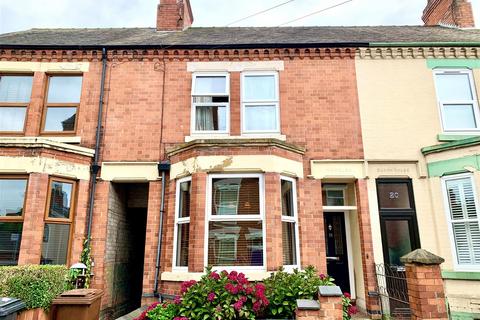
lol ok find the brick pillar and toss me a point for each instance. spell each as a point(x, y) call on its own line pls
point(366, 245)
point(151, 237)
point(273, 221)
point(310, 223)
point(197, 223)
point(425, 285)
point(33, 219)
point(329, 305)
point(99, 238)
point(78, 236)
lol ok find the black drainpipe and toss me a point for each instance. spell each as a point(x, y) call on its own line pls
point(95, 166)
point(163, 168)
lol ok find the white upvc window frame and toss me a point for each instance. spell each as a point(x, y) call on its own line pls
point(473, 102)
point(294, 219)
point(193, 120)
point(260, 217)
point(178, 221)
point(446, 203)
point(246, 103)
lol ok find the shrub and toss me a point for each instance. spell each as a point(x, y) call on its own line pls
point(35, 285)
point(221, 296)
point(166, 311)
point(283, 289)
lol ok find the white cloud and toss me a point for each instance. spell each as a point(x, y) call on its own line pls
point(25, 14)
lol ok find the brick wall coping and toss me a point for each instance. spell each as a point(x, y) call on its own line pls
point(330, 291)
point(307, 304)
point(422, 256)
point(241, 143)
point(39, 142)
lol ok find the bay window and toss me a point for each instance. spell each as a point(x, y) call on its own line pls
point(291, 255)
point(12, 204)
point(235, 214)
point(210, 103)
point(464, 220)
point(62, 101)
point(457, 100)
point(182, 223)
point(260, 102)
point(58, 221)
point(15, 92)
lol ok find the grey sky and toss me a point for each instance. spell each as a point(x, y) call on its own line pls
point(24, 14)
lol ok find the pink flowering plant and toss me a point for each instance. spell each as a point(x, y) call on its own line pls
point(349, 309)
point(224, 295)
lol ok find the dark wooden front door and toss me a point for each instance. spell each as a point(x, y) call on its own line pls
point(336, 245)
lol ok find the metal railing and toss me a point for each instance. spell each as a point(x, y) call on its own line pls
point(393, 292)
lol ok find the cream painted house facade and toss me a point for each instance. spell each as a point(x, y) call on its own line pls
point(420, 124)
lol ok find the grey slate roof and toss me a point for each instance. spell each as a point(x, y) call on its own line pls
point(237, 36)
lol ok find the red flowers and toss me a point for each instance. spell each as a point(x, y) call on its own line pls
point(214, 276)
point(211, 296)
point(187, 284)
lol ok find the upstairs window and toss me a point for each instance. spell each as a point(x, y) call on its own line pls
point(210, 103)
point(457, 100)
point(260, 105)
point(63, 99)
point(15, 94)
point(464, 220)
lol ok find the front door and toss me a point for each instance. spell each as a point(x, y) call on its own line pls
point(336, 245)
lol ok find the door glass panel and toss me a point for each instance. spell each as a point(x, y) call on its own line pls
point(393, 196)
point(398, 240)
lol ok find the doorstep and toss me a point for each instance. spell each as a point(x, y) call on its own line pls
point(132, 315)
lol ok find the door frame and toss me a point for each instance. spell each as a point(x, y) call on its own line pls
point(348, 237)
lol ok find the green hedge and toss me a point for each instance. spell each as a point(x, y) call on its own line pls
point(35, 285)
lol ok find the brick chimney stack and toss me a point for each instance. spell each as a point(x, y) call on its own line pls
point(457, 13)
point(174, 15)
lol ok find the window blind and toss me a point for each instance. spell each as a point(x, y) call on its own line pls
point(464, 220)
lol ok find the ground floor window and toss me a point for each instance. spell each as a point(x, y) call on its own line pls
point(463, 219)
point(289, 222)
point(12, 202)
point(58, 221)
point(235, 214)
point(182, 222)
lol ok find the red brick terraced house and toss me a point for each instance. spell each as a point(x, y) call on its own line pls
point(175, 148)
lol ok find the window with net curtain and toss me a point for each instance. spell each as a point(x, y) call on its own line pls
point(210, 103)
point(260, 103)
point(457, 98)
point(235, 223)
point(289, 222)
point(182, 222)
point(15, 94)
